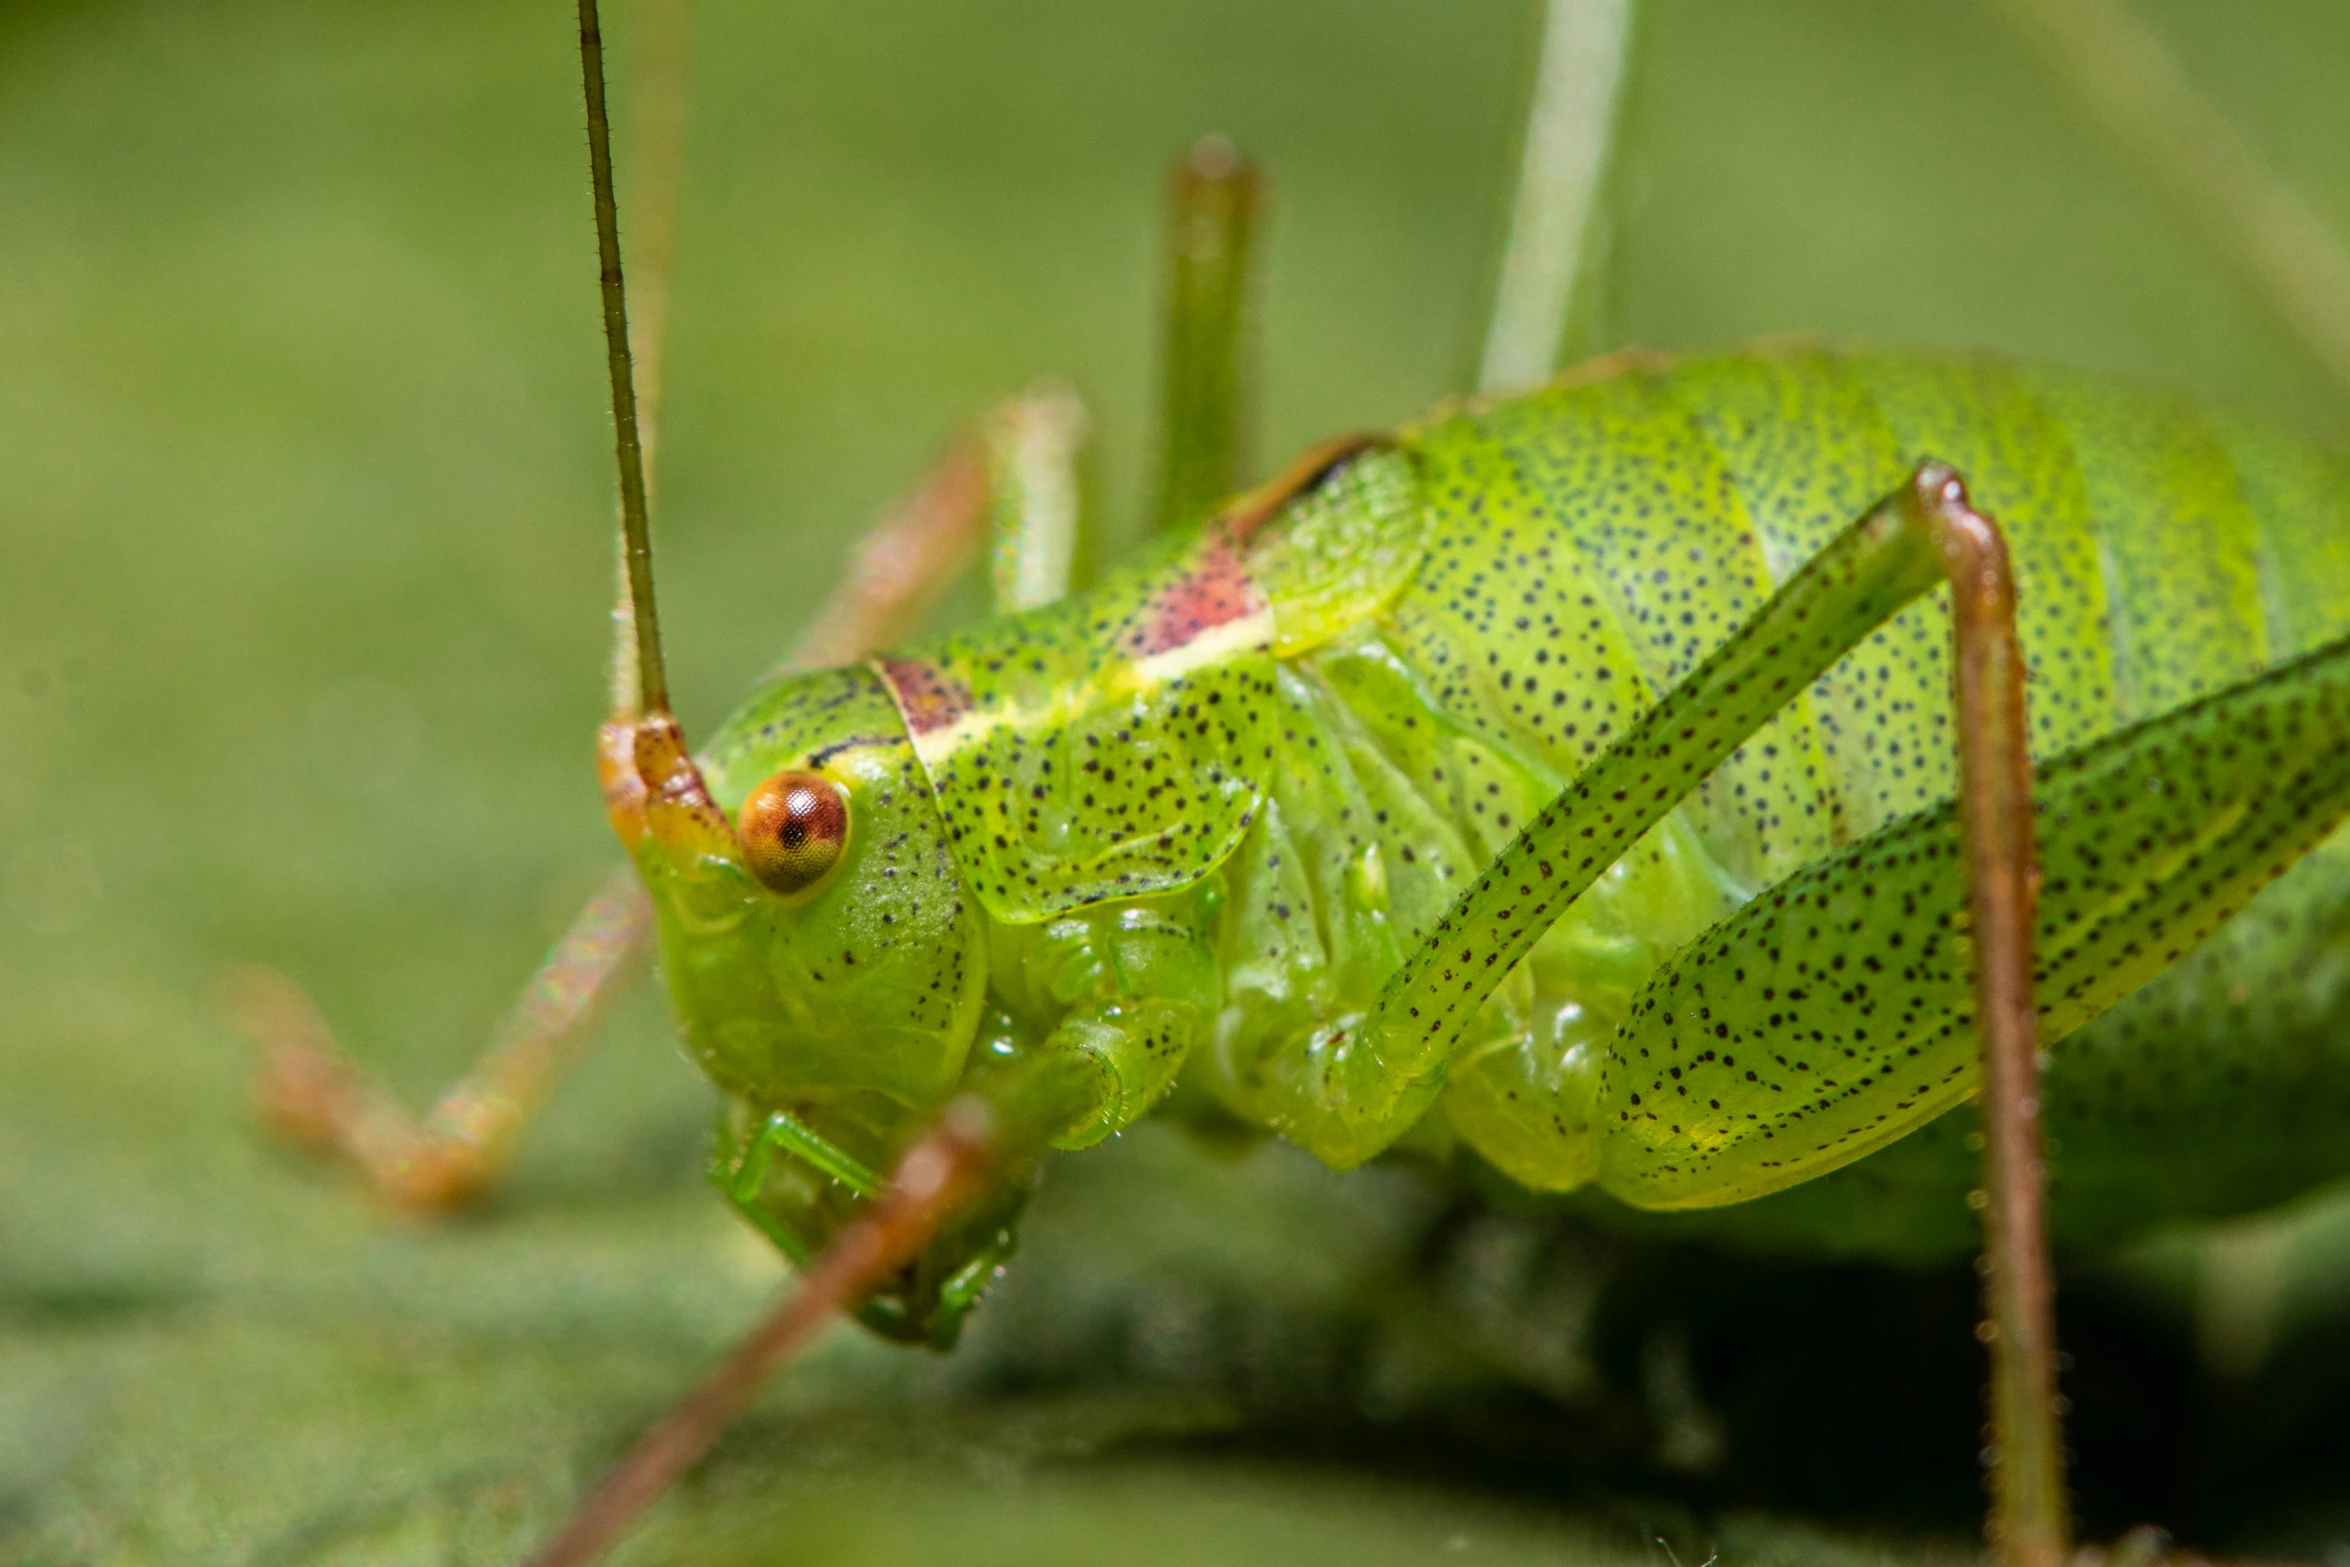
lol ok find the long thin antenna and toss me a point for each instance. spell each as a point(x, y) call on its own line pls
point(635, 531)
point(656, 119)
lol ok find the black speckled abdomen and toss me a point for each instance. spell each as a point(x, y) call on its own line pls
point(1585, 546)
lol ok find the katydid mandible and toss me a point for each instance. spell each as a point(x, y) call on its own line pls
point(1563, 782)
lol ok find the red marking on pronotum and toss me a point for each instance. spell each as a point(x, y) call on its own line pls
point(927, 698)
point(1216, 591)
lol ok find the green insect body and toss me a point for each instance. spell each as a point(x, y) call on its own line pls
point(1173, 835)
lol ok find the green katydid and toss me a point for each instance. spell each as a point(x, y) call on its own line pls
point(1221, 819)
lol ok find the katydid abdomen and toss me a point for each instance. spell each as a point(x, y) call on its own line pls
point(1180, 826)
point(2162, 555)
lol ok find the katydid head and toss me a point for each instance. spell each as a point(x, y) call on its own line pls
point(833, 960)
point(825, 960)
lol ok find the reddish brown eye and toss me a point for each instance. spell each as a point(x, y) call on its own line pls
point(793, 828)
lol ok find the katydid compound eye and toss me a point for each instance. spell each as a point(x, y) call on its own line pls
point(793, 828)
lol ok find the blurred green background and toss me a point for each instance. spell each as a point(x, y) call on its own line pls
point(302, 579)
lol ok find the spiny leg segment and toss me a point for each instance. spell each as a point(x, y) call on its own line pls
point(2031, 1522)
point(1924, 533)
point(938, 1175)
point(1841, 1007)
point(1215, 197)
point(312, 1094)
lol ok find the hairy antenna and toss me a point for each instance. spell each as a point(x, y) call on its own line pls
point(635, 530)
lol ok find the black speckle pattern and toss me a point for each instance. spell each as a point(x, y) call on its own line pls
point(1836, 1011)
point(1102, 747)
